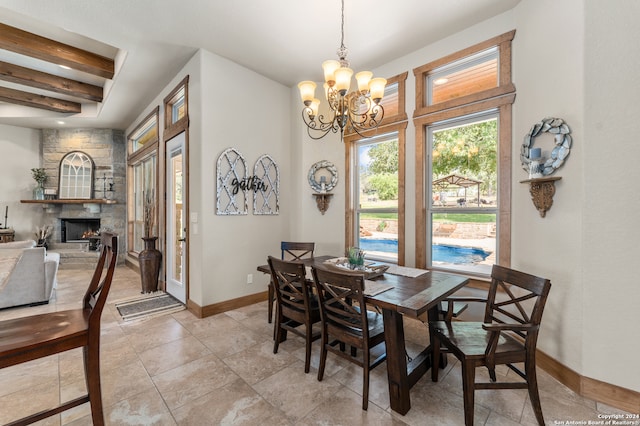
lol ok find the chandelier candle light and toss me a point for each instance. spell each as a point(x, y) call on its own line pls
point(357, 111)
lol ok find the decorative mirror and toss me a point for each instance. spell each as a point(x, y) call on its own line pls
point(232, 192)
point(76, 176)
point(266, 186)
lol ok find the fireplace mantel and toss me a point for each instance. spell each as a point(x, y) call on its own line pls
point(91, 205)
point(71, 201)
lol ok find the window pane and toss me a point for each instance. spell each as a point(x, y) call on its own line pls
point(470, 75)
point(464, 242)
point(390, 100)
point(144, 182)
point(147, 133)
point(464, 193)
point(377, 198)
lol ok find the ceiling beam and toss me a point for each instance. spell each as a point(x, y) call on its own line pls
point(29, 44)
point(53, 83)
point(38, 101)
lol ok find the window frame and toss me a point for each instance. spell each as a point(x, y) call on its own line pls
point(500, 99)
point(134, 159)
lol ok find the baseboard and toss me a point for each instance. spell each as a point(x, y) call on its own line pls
point(615, 396)
point(227, 305)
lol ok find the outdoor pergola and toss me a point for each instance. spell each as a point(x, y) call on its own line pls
point(444, 183)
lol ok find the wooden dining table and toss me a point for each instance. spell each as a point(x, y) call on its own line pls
point(412, 297)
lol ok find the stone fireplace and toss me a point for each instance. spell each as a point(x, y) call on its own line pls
point(107, 149)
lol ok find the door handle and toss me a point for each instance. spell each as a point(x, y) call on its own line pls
point(182, 240)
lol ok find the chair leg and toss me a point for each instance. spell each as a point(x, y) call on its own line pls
point(468, 389)
point(534, 396)
point(323, 355)
point(365, 380)
point(435, 358)
point(270, 298)
point(92, 377)
point(307, 355)
point(278, 332)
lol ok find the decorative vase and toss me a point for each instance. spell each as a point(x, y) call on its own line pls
point(38, 192)
point(42, 242)
point(149, 260)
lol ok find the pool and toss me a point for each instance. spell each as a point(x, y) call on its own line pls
point(441, 253)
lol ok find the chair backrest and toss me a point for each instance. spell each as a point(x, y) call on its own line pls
point(341, 299)
point(290, 283)
point(296, 251)
point(517, 287)
point(96, 295)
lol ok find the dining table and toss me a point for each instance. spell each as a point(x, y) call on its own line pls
point(409, 292)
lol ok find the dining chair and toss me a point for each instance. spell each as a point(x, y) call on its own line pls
point(346, 321)
point(295, 304)
point(290, 250)
point(37, 336)
point(508, 335)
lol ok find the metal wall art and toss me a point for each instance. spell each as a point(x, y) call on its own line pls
point(323, 185)
point(232, 189)
point(528, 154)
point(266, 197)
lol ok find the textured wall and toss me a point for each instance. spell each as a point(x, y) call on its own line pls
point(108, 150)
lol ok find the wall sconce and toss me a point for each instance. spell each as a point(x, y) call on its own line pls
point(322, 187)
point(322, 200)
point(542, 191)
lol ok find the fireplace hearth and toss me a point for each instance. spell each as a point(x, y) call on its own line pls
point(78, 230)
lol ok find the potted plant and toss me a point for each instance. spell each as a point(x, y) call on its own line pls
point(150, 258)
point(40, 176)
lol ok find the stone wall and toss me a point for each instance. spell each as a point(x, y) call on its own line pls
point(107, 148)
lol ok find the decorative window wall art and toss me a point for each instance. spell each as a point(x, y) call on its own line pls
point(232, 191)
point(266, 186)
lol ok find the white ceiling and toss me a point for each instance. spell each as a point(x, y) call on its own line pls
point(285, 40)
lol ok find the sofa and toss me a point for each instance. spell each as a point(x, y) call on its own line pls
point(27, 274)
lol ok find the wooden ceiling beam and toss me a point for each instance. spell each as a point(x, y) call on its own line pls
point(35, 46)
point(38, 101)
point(53, 83)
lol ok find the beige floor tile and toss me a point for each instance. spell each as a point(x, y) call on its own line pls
point(190, 381)
point(234, 404)
point(258, 362)
point(173, 354)
point(295, 393)
point(38, 397)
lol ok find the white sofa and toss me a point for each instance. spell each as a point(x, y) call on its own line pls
point(27, 274)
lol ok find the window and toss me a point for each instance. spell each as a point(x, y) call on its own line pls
point(376, 197)
point(376, 168)
point(463, 159)
point(141, 177)
point(175, 107)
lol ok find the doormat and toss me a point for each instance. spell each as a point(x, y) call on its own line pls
point(148, 305)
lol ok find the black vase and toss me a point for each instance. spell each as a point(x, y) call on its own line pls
point(149, 260)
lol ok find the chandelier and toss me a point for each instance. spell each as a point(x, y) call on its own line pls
point(357, 111)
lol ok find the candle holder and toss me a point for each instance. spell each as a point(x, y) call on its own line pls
point(322, 200)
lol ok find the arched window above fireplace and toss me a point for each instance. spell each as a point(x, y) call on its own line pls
point(76, 176)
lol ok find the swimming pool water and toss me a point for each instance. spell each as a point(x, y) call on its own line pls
point(440, 253)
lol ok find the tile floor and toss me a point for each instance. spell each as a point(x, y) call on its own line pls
point(178, 369)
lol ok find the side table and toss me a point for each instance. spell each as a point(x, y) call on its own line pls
point(7, 235)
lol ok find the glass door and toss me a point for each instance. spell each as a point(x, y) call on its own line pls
point(176, 219)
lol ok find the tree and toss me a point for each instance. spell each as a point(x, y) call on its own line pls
point(384, 157)
point(469, 151)
point(385, 184)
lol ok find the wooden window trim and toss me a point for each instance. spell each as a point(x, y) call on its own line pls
point(505, 85)
point(172, 129)
point(500, 98)
point(401, 79)
point(350, 143)
point(152, 146)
